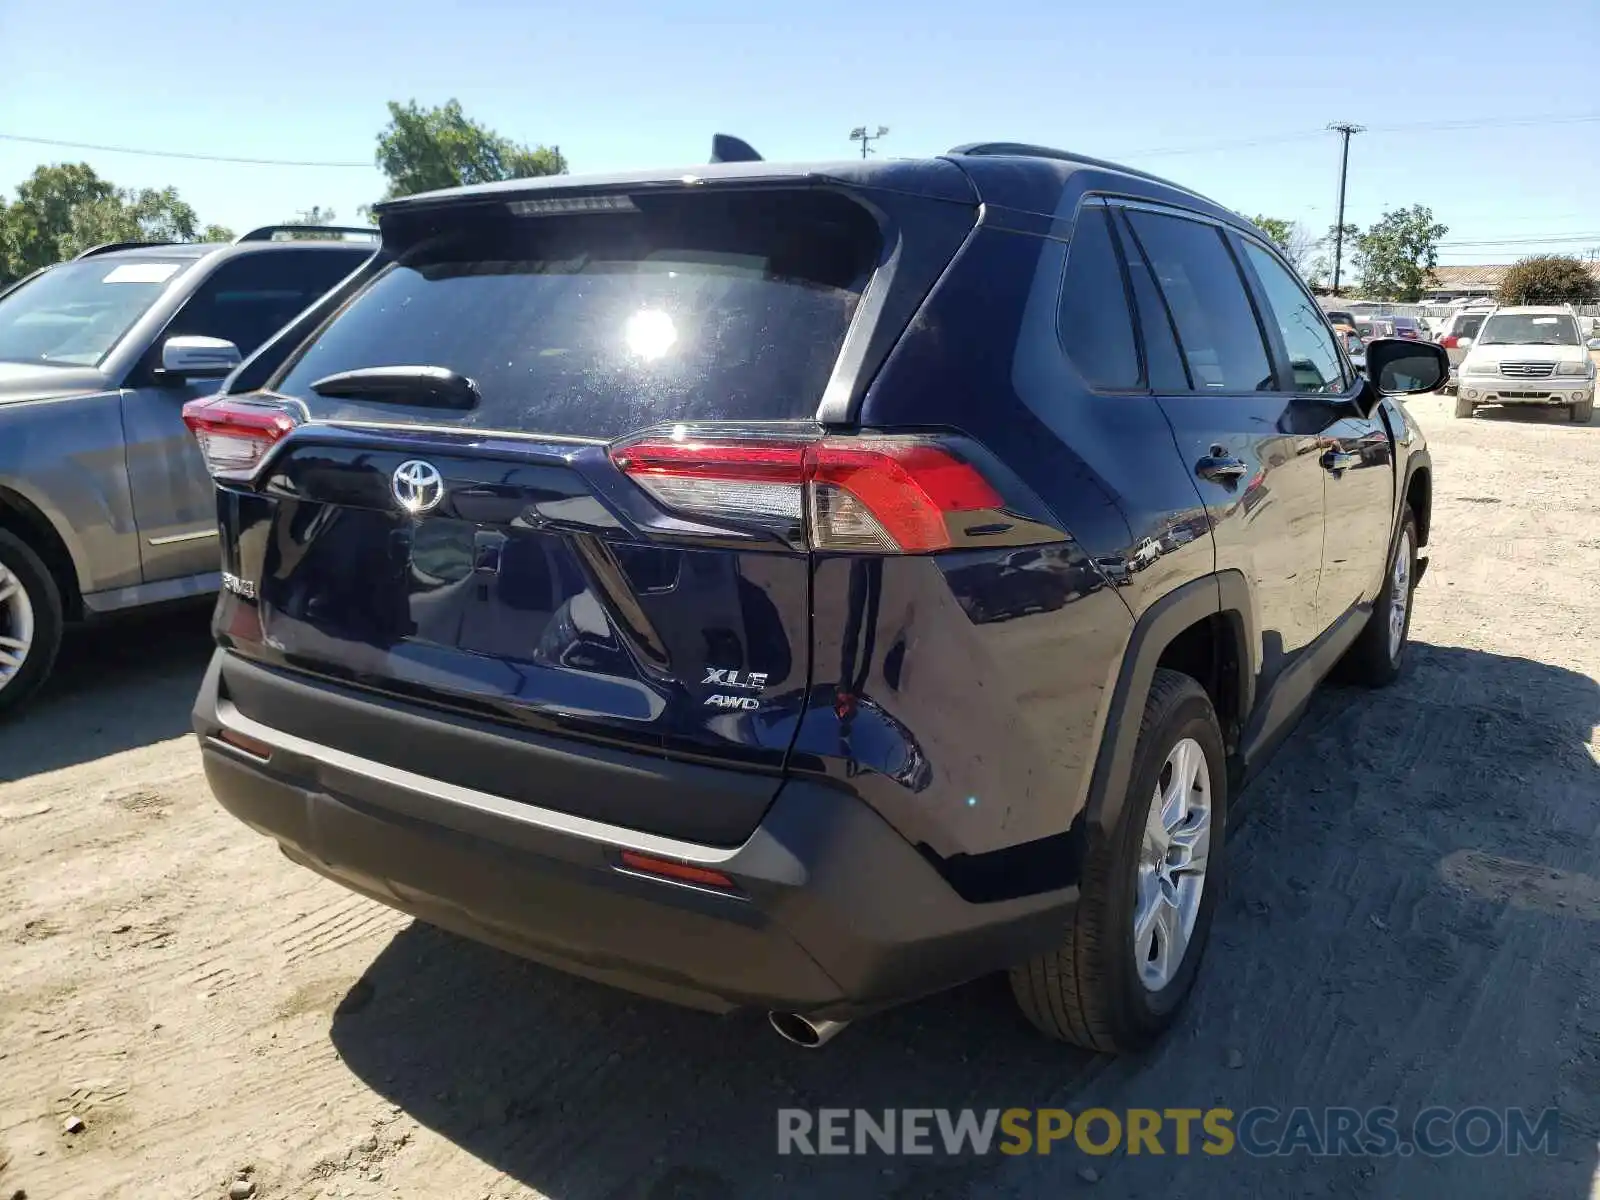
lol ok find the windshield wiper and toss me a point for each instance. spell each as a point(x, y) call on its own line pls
point(423, 386)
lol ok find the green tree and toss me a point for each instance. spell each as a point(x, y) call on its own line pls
point(1546, 279)
point(315, 215)
point(1320, 273)
point(1291, 237)
point(146, 215)
point(40, 218)
point(216, 233)
point(1396, 256)
point(422, 149)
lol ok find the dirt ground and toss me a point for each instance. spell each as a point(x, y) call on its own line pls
point(1413, 918)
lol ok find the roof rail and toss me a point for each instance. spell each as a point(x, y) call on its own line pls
point(266, 232)
point(1025, 150)
point(108, 247)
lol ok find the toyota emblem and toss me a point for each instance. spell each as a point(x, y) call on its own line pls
point(418, 486)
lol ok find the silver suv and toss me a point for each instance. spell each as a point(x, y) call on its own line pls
point(105, 504)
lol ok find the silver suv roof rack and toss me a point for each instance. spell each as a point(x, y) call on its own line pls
point(108, 247)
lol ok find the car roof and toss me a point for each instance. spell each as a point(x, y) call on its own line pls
point(1534, 310)
point(1007, 174)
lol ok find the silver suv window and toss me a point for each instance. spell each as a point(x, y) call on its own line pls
point(1530, 329)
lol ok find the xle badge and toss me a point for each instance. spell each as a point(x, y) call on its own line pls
point(724, 677)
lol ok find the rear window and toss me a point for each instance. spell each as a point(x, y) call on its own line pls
point(707, 306)
point(1468, 326)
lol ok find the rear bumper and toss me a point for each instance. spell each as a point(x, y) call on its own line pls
point(836, 914)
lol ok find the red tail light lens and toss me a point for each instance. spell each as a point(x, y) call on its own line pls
point(883, 495)
point(1448, 341)
point(235, 434)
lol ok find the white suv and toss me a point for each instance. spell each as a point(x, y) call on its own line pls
point(1531, 355)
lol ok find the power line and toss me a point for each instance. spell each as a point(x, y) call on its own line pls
point(1409, 127)
point(222, 158)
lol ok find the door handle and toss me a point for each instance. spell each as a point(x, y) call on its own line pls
point(1220, 468)
point(1340, 460)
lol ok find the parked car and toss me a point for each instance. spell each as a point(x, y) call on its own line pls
point(1356, 350)
point(1337, 317)
point(1410, 328)
point(1455, 334)
point(686, 698)
point(1529, 355)
point(105, 503)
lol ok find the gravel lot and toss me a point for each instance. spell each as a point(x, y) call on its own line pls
point(1413, 919)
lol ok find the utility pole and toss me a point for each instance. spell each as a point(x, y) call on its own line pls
point(860, 134)
point(1344, 129)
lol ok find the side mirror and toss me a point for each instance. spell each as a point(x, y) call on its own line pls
point(1398, 367)
point(190, 356)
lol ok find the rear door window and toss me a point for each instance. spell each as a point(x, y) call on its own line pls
point(1216, 324)
point(1096, 328)
point(1164, 369)
point(729, 306)
point(251, 297)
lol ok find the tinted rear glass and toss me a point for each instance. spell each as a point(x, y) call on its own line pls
point(711, 306)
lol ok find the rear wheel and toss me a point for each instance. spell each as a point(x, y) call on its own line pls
point(1464, 408)
point(1379, 652)
point(1581, 414)
point(1149, 889)
point(30, 621)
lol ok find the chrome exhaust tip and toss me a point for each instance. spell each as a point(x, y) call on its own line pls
point(809, 1032)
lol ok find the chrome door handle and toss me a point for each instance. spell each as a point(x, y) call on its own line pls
point(1340, 460)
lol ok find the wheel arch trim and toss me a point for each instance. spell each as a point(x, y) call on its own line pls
point(1225, 594)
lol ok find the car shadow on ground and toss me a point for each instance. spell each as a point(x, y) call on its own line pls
point(1412, 919)
point(118, 684)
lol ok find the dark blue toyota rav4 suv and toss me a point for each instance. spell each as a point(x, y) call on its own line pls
point(805, 587)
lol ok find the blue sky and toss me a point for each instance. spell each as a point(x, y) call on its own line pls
point(1227, 97)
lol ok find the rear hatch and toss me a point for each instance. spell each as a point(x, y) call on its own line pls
point(472, 495)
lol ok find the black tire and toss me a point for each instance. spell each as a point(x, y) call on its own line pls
point(1088, 990)
point(18, 561)
point(1370, 661)
point(1581, 414)
point(1464, 408)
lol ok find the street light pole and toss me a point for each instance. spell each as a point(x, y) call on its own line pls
point(1344, 129)
point(860, 134)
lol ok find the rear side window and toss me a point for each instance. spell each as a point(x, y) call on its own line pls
point(1163, 363)
point(1468, 326)
point(251, 297)
point(677, 308)
point(1096, 328)
point(1216, 325)
point(1314, 360)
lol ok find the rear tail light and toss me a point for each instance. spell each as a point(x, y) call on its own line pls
point(883, 495)
point(1448, 341)
point(235, 433)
